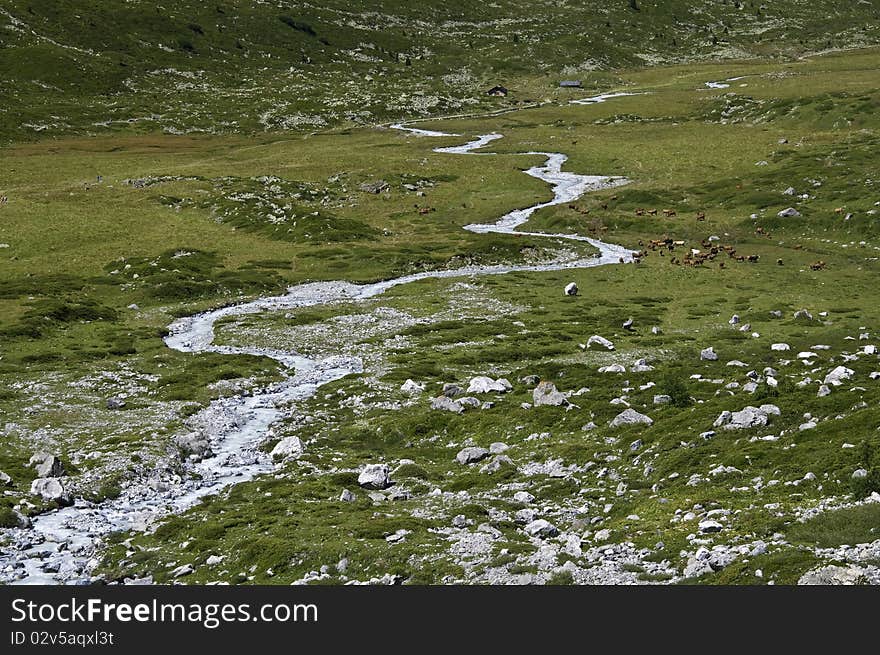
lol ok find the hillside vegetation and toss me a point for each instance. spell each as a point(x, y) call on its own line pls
point(93, 67)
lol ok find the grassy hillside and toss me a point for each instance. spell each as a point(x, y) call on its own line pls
point(94, 67)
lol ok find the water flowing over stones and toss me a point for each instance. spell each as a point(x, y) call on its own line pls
point(62, 544)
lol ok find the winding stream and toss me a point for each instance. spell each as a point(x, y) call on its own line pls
point(62, 545)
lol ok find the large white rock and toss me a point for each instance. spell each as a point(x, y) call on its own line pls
point(48, 488)
point(630, 417)
point(780, 346)
point(546, 393)
point(790, 212)
point(600, 341)
point(374, 476)
point(412, 387)
point(613, 368)
point(288, 447)
point(747, 417)
point(838, 375)
point(541, 528)
point(484, 384)
point(471, 454)
point(571, 289)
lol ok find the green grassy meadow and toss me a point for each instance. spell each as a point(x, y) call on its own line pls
point(109, 237)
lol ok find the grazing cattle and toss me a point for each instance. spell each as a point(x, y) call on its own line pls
point(640, 212)
point(701, 216)
point(779, 261)
point(759, 230)
point(652, 212)
point(720, 264)
point(818, 266)
point(838, 210)
point(753, 258)
point(669, 213)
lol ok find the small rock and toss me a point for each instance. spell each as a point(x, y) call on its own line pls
point(483, 384)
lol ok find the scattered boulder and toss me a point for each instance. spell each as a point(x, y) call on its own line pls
point(641, 366)
point(483, 384)
point(523, 497)
point(412, 388)
point(447, 404)
point(748, 417)
point(471, 454)
point(836, 376)
point(347, 497)
point(860, 474)
point(824, 390)
point(600, 341)
point(662, 399)
point(541, 528)
point(790, 191)
point(571, 289)
point(374, 476)
point(115, 403)
point(613, 368)
point(789, 212)
point(48, 489)
point(708, 354)
point(498, 447)
point(288, 447)
point(546, 393)
point(47, 465)
point(630, 416)
point(804, 314)
point(709, 526)
point(780, 346)
point(628, 324)
point(5, 480)
point(495, 464)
